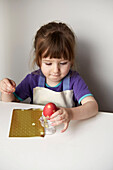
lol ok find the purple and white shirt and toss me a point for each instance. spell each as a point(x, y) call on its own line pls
point(77, 84)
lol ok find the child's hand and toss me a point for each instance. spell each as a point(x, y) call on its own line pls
point(62, 115)
point(7, 86)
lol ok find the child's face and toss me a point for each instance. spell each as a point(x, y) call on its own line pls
point(54, 69)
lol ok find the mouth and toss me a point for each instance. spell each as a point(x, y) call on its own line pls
point(55, 75)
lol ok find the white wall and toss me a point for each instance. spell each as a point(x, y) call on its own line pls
point(92, 21)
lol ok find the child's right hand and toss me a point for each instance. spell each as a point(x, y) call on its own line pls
point(7, 86)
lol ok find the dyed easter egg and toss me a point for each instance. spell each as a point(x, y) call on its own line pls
point(49, 109)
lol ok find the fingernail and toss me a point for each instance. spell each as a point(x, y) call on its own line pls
point(8, 88)
point(9, 85)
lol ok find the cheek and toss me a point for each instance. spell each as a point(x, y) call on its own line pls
point(65, 70)
point(44, 69)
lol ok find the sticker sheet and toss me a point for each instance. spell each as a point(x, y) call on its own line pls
point(26, 123)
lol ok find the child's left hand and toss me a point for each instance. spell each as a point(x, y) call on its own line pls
point(62, 115)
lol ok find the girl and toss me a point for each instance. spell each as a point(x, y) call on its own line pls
point(54, 81)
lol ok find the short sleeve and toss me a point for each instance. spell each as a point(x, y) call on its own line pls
point(23, 89)
point(80, 88)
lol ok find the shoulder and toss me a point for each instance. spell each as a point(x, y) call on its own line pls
point(76, 80)
point(34, 75)
point(74, 75)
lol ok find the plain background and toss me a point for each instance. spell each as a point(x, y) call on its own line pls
point(92, 22)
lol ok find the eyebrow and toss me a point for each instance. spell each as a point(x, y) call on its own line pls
point(46, 60)
point(50, 60)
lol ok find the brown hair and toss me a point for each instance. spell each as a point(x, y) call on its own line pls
point(54, 40)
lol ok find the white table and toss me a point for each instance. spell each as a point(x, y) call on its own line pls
point(86, 145)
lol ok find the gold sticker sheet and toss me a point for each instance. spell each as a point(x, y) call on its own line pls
point(26, 123)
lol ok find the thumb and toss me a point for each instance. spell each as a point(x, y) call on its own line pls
point(13, 83)
point(65, 127)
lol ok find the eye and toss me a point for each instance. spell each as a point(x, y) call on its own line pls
point(63, 63)
point(48, 64)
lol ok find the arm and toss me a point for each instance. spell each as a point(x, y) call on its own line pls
point(89, 108)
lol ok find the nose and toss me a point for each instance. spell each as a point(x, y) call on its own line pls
point(56, 68)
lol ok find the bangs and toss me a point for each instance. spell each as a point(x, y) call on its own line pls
point(56, 46)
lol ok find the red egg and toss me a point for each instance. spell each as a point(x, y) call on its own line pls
point(49, 109)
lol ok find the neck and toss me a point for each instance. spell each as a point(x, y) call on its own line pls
point(52, 84)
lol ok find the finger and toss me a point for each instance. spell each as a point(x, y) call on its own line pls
point(6, 89)
point(58, 118)
point(13, 83)
point(9, 83)
point(5, 92)
point(65, 127)
point(58, 112)
point(3, 86)
point(56, 123)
